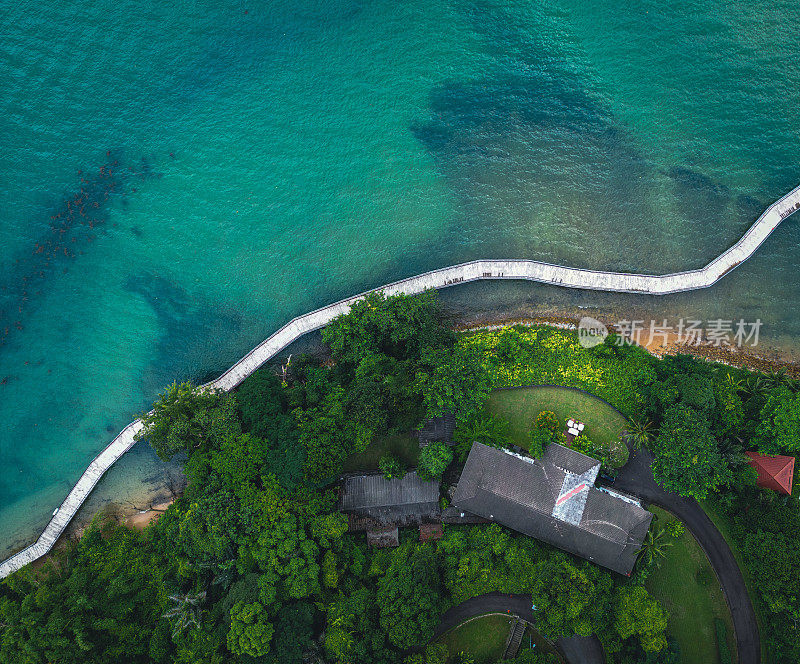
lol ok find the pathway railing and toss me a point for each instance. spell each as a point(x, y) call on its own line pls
point(558, 275)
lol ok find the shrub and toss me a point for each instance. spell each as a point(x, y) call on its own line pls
point(618, 454)
point(534, 656)
point(548, 356)
point(548, 421)
point(483, 428)
point(590, 448)
point(675, 529)
point(433, 460)
point(546, 429)
point(538, 441)
point(435, 653)
point(463, 657)
point(391, 467)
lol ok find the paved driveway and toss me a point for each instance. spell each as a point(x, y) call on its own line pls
point(637, 478)
point(576, 649)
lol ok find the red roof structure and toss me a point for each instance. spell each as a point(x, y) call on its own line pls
point(774, 472)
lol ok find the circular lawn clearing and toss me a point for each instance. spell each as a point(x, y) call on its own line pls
point(520, 406)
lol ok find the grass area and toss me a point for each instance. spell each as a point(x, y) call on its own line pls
point(532, 639)
point(692, 607)
point(723, 524)
point(544, 355)
point(483, 637)
point(404, 447)
point(520, 406)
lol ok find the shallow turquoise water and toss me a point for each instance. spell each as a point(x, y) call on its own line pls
point(252, 161)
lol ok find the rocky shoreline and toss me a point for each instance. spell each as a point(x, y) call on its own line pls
point(762, 362)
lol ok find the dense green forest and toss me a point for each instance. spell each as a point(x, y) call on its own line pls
point(254, 564)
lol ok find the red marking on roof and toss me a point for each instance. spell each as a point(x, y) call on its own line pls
point(774, 472)
point(565, 497)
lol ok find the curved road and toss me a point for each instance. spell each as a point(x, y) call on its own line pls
point(576, 649)
point(637, 478)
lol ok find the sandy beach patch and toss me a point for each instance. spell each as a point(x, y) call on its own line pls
point(143, 518)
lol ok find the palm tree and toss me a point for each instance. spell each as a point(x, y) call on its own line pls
point(347, 638)
point(731, 445)
point(793, 384)
point(640, 432)
point(477, 428)
point(732, 450)
point(186, 611)
point(755, 386)
point(777, 378)
point(736, 383)
point(483, 428)
point(654, 546)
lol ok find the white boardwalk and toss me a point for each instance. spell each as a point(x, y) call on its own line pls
point(458, 274)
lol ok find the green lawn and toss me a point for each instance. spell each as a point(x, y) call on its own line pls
point(520, 406)
point(484, 638)
point(691, 606)
point(405, 448)
point(723, 525)
point(532, 638)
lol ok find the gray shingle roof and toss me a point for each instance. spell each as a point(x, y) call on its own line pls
point(377, 491)
point(568, 459)
point(437, 428)
point(523, 494)
point(402, 501)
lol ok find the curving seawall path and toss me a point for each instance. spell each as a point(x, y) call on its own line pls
point(557, 275)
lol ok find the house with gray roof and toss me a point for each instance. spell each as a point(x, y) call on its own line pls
point(402, 502)
point(554, 499)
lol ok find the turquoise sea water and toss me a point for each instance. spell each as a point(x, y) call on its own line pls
point(179, 179)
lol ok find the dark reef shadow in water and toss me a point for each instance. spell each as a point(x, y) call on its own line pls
point(749, 207)
point(528, 141)
point(75, 222)
point(539, 167)
point(196, 338)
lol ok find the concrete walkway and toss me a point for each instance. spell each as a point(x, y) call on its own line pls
point(637, 478)
point(557, 275)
